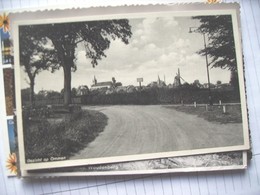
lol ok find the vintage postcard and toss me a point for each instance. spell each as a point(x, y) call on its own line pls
point(7, 67)
point(9, 90)
point(6, 42)
point(205, 162)
point(11, 135)
point(10, 146)
point(105, 85)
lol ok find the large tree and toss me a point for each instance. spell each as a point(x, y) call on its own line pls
point(95, 36)
point(220, 46)
point(34, 56)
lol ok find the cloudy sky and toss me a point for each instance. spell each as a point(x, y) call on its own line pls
point(158, 47)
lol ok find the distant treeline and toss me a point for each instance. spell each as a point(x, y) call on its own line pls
point(152, 96)
point(163, 96)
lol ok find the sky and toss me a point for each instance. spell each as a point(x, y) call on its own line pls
point(157, 48)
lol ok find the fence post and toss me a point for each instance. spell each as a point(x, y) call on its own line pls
point(219, 102)
point(195, 105)
point(207, 107)
point(224, 109)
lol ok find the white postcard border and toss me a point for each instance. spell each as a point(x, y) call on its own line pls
point(138, 172)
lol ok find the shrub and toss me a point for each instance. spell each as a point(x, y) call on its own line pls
point(157, 95)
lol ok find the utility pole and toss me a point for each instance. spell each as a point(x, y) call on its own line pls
point(207, 63)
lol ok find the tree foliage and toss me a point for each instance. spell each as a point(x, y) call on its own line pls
point(95, 37)
point(220, 46)
point(34, 56)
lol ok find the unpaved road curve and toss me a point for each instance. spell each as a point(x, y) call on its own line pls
point(155, 128)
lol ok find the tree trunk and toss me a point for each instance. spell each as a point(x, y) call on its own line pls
point(32, 92)
point(234, 80)
point(67, 84)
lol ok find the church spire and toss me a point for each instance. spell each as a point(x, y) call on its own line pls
point(94, 80)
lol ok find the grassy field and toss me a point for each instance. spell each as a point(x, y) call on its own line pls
point(62, 137)
point(214, 113)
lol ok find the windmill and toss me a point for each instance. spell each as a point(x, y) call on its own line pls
point(178, 78)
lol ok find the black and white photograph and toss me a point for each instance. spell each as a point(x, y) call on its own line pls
point(118, 88)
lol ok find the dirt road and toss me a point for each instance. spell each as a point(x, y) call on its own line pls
point(155, 128)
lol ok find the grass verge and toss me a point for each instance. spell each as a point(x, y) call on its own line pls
point(214, 114)
point(45, 139)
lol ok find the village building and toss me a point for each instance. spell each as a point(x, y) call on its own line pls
point(104, 85)
point(206, 85)
point(82, 90)
point(159, 83)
